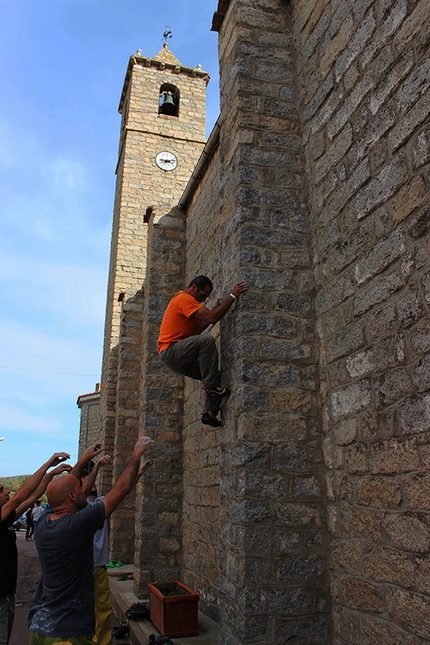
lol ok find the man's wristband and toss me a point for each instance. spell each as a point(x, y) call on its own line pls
point(233, 296)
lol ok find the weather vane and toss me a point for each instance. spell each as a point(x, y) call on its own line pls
point(167, 34)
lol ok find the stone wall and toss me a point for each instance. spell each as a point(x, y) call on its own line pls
point(89, 429)
point(365, 97)
point(273, 542)
point(305, 517)
point(201, 444)
point(158, 546)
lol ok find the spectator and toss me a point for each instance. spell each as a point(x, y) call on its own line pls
point(62, 608)
point(29, 523)
point(10, 509)
point(103, 602)
point(37, 512)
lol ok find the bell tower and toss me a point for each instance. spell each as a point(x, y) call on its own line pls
point(163, 110)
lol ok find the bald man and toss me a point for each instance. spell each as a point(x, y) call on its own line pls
point(62, 608)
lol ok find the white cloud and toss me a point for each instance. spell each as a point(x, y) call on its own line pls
point(14, 419)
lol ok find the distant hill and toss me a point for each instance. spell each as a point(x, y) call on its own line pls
point(13, 483)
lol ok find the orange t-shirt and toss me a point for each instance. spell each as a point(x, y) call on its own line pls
point(178, 320)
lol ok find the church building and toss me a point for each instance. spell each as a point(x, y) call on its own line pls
point(304, 518)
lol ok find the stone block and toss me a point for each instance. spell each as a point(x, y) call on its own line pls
point(380, 257)
point(409, 123)
point(361, 595)
point(274, 427)
point(383, 564)
point(346, 341)
point(293, 569)
point(392, 386)
point(410, 309)
point(295, 459)
point(293, 304)
point(350, 399)
point(423, 574)
point(294, 402)
point(334, 293)
point(417, 489)
point(420, 226)
point(383, 321)
point(367, 523)
point(414, 86)
point(410, 197)
point(387, 353)
point(382, 187)
point(422, 373)
point(379, 290)
point(298, 515)
point(421, 149)
point(306, 487)
point(284, 602)
point(268, 375)
point(394, 457)
point(408, 531)
point(313, 630)
point(345, 556)
point(410, 610)
point(379, 493)
point(380, 632)
point(396, 72)
point(414, 415)
point(347, 249)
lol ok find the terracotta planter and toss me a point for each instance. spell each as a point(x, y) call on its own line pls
point(174, 615)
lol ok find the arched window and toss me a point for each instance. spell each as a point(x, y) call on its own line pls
point(169, 100)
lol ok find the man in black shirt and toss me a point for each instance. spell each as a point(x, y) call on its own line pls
point(10, 509)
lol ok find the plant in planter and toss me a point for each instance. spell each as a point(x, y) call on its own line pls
point(173, 608)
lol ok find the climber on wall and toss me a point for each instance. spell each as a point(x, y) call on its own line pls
point(183, 349)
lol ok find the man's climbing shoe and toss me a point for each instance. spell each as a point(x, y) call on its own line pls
point(210, 421)
point(218, 391)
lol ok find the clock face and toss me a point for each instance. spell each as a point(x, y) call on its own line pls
point(166, 161)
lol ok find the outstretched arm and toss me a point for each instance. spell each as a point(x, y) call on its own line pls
point(90, 480)
point(212, 316)
point(30, 485)
point(41, 488)
point(128, 478)
point(91, 452)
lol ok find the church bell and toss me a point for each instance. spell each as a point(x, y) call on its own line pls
point(168, 105)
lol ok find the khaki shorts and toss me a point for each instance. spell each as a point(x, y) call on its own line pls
point(38, 639)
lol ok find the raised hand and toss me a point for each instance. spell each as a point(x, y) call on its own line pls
point(142, 444)
point(240, 287)
point(60, 469)
point(92, 451)
point(57, 458)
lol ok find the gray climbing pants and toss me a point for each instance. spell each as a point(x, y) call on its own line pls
point(196, 357)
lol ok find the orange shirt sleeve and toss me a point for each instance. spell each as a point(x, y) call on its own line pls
point(178, 321)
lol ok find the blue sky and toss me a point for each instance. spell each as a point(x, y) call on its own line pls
point(63, 67)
